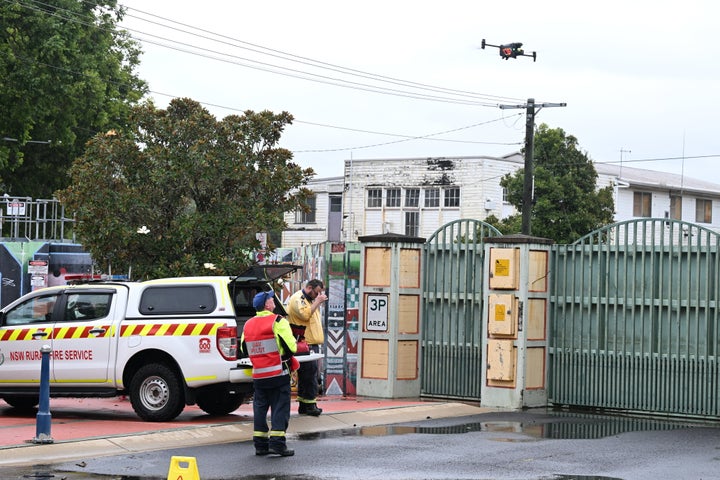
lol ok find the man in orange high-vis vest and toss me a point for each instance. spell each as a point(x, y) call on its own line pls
point(269, 343)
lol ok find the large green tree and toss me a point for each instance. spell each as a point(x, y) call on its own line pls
point(567, 203)
point(66, 73)
point(181, 189)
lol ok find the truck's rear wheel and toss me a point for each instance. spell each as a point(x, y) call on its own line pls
point(22, 402)
point(218, 401)
point(156, 393)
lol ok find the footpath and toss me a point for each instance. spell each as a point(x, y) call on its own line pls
point(105, 427)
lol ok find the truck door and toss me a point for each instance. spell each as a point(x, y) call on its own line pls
point(26, 327)
point(82, 337)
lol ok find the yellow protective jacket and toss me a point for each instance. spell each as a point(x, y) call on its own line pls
point(299, 313)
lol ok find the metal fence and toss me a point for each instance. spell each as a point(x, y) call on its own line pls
point(634, 319)
point(24, 218)
point(451, 358)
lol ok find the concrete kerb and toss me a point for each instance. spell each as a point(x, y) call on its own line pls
point(46, 454)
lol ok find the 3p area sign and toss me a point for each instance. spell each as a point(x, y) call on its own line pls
point(376, 313)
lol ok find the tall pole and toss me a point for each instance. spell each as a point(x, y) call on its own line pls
point(527, 198)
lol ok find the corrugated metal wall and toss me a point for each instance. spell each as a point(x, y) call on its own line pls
point(634, 319)
point(451, 356)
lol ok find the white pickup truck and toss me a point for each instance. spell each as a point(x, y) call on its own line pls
point(165, 343)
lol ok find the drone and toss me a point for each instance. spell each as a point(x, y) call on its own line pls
point(511, 50)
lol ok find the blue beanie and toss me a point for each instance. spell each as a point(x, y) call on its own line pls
point(260, 299)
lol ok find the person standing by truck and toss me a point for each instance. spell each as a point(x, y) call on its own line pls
point(269, 342)
point(304, 316)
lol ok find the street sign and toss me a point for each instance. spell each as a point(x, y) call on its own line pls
point(376, 313)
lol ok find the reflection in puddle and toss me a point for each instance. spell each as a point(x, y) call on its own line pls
point(557, 425)
point(579, 477)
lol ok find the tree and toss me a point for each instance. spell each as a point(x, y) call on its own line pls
point(567, 203)
point(180, 190)
point(66, 73)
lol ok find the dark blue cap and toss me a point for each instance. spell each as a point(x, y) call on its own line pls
point(260, 299)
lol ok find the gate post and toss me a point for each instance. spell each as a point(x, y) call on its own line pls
point(515, 312)
point(389, 313)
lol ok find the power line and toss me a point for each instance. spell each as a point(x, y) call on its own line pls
point(306, 60)
point(408, 138)
point(271, 68)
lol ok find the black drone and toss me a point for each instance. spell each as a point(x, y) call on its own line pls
point(511, 50)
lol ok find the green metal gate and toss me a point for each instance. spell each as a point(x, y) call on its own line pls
point(634, 319)
point(451, 357)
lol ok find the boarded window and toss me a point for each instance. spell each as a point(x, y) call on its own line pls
point(703, 211)
point(642, 204)
point(676, 207)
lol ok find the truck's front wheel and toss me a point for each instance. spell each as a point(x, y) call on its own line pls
point(156, 393)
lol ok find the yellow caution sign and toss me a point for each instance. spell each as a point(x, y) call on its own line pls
point(183, 468)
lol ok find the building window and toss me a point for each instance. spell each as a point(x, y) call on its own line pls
point(412, 223)
point(374, 198)
point(335, 203)
point(412, 197)
point(676, 207)
point(452, 197)
point(505, 195)
point(642, 204)
point(392, 198)
point(432, 197)
point(703, 211)
point(309, 215)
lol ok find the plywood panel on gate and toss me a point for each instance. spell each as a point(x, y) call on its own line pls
point(375, 358)
point(377, 266)
point(536, 319)
point(538, 271)
point(535, 368)
point(407, 365)
point(409, 268)
point(408, 314)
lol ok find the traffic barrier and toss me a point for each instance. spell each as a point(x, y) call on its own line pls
point(183, 468)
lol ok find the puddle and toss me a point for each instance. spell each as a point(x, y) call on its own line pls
point(579, 477)
point(559, 426)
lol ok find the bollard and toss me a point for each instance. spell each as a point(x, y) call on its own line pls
point(42, 424)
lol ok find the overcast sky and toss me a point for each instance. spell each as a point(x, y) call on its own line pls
point(640, 78)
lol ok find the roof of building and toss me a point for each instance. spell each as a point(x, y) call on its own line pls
point(653, 178)
point(630, 176)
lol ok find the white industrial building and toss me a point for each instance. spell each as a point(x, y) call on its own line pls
point(416, 196)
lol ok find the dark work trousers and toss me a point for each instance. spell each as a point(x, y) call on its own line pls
point(273, 394)
point(307, 388)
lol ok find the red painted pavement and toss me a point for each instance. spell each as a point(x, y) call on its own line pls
point(86, 418)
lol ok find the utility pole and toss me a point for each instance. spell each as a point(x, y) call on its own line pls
point(527, 199)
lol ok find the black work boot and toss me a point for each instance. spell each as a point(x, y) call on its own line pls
point(261, 448)
point(281, 449)
point(309, 409)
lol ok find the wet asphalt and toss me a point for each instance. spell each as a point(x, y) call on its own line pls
point(538, 444)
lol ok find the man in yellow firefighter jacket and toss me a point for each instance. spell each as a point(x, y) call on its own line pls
point(269, 342)
point(303, 309)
